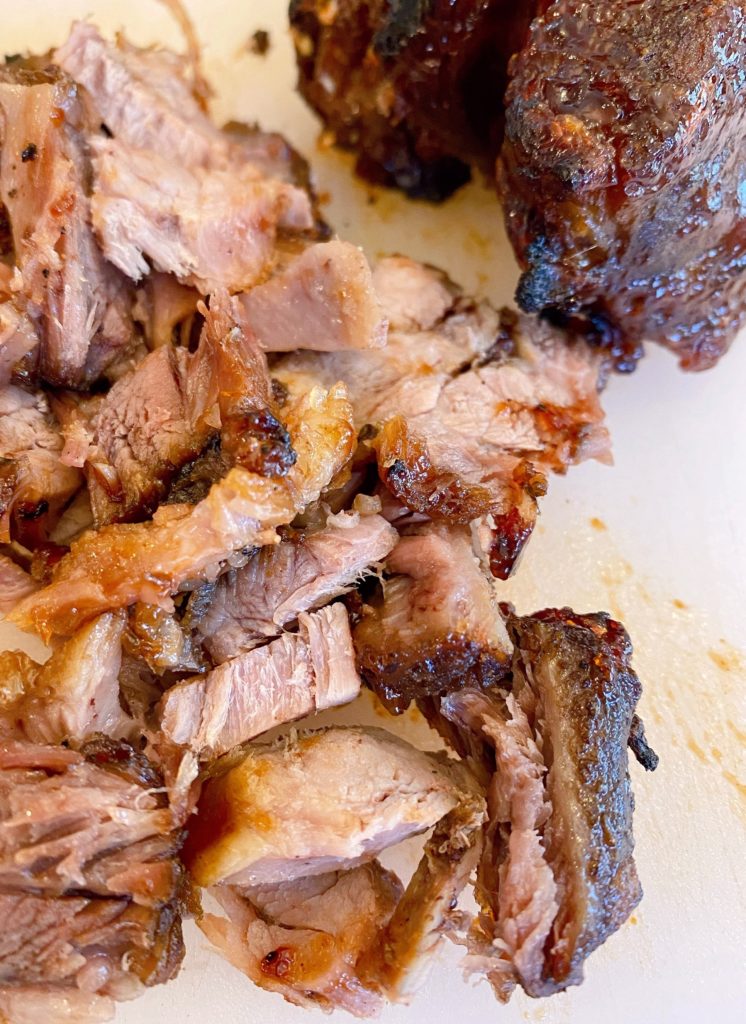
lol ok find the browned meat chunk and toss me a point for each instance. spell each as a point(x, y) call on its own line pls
point(557, 876)
point(35, 486)
point(303, 572)
point(326, 800)
point(436, 625)
point(621, 171)
point(305, 939)
point(415, 87)
point(295, 675)
point(124, 563)
point(80, 304)
point(465, 408)
point(92, 889)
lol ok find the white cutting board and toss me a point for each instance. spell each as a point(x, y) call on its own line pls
point(658, 540)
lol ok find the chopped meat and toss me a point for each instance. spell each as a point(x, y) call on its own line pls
point(17, 339)
point(35, 486)
point(557, 877)
point(92, 890)
point(124, 563)
point(293, 676)
point(143, 97)
point(79, 304)
point(621, 172)
point(211, 228)
point(470, 407)
point(323, 801)
point(436, 626)
point(151, 422)
point(166, 309)
point(303, 572)
point(324, 300)
point(75, 694)
point(15, 584)
point(251, 433)
point(159, 639)
point(401, 959)
point(305, 938)
point(320, 423)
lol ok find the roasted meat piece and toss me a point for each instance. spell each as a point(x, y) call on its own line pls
point(465, 408)
point(326, 800)
point(92, 889)
point(557, 875)
point(295, 675)
point(415, 87)
point(435, 626)
point(15, 584)
point(304, 571)
point(620, 168)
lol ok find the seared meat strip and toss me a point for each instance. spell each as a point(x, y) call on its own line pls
point(304, 939)
point(557, 876)
point(91, 886)
point(293, 676)
point(35, 486)
point(621, 172)
point(470, 407)
point(124, 563)
point(324, 300)
point(73, 695)
point(303, 572)
point(80, 304)
point(436, 625)
point(326, 800)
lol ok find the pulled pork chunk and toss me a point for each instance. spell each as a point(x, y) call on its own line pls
point(124, 563)
point(35, 485)
point(326, 800)
point(435, 626)
point(79, 304)
point(73, 695)
point(324, 300)
point(165, 309)
point(18, 338)
point(304, 939)
point(212, 228)
point(557, 876)
point(304, 571)
point(90, 880)
point(465, 409)
point(293, 676)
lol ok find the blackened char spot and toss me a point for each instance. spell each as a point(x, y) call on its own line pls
point(402, 21)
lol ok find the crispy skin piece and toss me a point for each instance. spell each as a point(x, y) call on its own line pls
point(414, 86)
point(557, 876)
point(621, 171)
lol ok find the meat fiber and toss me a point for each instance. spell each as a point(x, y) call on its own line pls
point(212, 228)
point(324, 300)
point(436, 625)
point(35, 485)
point(325, 801)
point(18, 339)
point(557, 877)
point(79, 304)
point(295, 675)
point(303, 572)
point(72, 696)
point(90, 879)
point(124, 563)
point(304, 939)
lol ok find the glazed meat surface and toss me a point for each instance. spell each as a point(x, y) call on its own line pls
point(557, 876)
point(614, 132)
point(621, 170)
